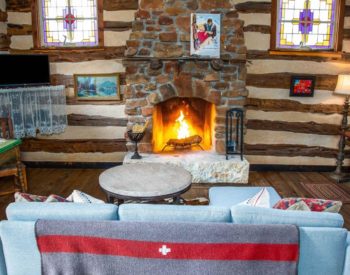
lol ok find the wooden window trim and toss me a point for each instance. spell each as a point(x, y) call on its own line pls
point(37, 30)
point(336, 52)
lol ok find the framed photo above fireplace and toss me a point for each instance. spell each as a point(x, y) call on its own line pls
point(205, 34)
point(302, 86)
point(97, 86)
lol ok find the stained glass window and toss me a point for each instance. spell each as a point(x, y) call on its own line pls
point(69, 23)
point(306, 24)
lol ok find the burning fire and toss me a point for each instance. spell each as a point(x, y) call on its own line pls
point(183, 120)
point(183, 130)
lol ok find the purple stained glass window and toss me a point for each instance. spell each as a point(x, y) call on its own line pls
point(69, 23)
point(306, 24)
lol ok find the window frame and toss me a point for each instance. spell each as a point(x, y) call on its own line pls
point(338, 39)
point(37, 32)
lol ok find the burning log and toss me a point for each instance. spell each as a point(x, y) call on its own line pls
point(184, 142)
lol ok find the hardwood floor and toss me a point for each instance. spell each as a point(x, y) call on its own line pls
point(64, 181)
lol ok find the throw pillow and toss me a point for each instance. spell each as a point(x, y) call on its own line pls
point(24, 197)
point(261, 199)
point(55, 198)
point(81, 197)
point(306, 204)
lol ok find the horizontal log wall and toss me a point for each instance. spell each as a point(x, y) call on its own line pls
point(96, 129)
point(284, 129)
point(4, 38)
point(307, 127)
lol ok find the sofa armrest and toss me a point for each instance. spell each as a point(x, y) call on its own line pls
point(21, 252)
point(347, 257)
point(2, 260)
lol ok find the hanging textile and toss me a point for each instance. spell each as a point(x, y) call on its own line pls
point(35, 109)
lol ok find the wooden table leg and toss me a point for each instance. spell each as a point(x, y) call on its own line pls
point(110, 199)
point(177, 200)
point(24, 178)
point(21, 171)
point(120, 201)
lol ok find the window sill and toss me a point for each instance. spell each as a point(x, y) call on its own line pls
point(307, 53)
point(63, 49)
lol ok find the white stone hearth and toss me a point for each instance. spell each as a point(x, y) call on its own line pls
point(205, 167)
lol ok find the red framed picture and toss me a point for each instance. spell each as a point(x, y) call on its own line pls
point(302, 86)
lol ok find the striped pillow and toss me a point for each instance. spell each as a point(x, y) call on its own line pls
point(261, 199)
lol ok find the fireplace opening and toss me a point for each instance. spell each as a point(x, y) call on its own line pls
point(183, 124)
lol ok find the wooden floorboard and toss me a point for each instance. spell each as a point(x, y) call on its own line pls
point(63, 181)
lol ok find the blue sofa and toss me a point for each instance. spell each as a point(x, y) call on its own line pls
point(324, 244)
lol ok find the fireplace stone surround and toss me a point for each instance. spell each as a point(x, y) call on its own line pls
point(159, 67)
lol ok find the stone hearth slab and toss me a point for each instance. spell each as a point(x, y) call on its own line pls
point(205, 167)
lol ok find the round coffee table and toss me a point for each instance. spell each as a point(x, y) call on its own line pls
point(145, 182)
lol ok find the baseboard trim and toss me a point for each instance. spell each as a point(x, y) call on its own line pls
point(72, 165)
point(294, 168)
point(253, 167)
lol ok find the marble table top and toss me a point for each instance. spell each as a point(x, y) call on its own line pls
point(145, 180)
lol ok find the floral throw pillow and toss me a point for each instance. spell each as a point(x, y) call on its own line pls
point(306, 204)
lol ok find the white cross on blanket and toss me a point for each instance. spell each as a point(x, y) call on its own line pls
point(164, 250)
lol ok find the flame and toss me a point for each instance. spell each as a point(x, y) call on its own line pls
point(184, 129)
point(180, 118)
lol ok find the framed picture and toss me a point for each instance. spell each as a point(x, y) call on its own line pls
point(302, 86)
point(97, 86)
point(205, 34)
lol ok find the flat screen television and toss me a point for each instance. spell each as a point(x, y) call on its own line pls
point(24, 70)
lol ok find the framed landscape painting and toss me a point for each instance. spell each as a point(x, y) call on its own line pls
point(97, 86)
point(302, 86)
point(205, 34)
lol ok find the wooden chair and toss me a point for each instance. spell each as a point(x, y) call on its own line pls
point(15, 167)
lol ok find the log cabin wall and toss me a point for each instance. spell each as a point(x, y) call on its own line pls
point(96, 130)
point(282, 129)
point(4, 39)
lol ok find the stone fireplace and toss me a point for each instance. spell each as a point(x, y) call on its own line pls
point(168, 87)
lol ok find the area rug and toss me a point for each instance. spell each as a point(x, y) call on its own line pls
point(329, 191)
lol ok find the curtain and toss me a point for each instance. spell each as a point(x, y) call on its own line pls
point(34, 109)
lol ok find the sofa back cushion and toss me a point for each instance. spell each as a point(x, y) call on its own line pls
point(245, 214)
point(173, 213)
point(32, 211)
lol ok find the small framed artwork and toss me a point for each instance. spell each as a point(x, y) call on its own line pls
point(97, 86)
point(302, 86)
point(205, 34)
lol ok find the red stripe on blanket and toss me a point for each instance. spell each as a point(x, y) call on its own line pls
point(168, 250)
